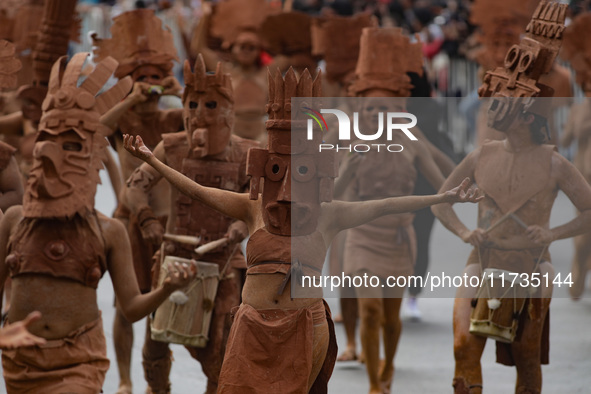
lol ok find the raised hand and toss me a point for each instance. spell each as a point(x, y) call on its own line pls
point(16, 334)
point(172, 87)
point(465, 192)
point(140, 92)
point(137, 147)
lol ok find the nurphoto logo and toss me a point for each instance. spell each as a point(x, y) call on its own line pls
point(392, 122)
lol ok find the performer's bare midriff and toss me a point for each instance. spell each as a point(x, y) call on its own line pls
point(64, 304)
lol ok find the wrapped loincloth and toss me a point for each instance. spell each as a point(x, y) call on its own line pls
point(385, 246)
point(75, 364)
point(507, 259)
point(271, 351)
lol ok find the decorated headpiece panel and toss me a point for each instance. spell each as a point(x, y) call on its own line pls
point(231, 17)
point(297, 177)
point(208, 109)
point(138, 38)
point(69, 146)
point(524, 64)
point(336, 39)
point(288, 33)
point(381, 64)
point(501, 24)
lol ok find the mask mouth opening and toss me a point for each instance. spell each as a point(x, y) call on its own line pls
point(49, 169)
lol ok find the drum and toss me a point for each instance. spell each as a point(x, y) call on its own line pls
point(185, 316)
point(498, 305)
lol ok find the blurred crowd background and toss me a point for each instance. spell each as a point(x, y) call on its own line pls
point(449, 37)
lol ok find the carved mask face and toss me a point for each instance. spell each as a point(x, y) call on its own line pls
point(294, 184)
point(69, 147)
point(512, 88)
point(208, 122)
point(64, 174)
point(523, 66)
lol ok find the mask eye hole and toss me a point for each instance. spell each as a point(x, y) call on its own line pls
point(275, 169)
point(193, 105)
point(72, 146)
point(304, 169)
point(211, 104)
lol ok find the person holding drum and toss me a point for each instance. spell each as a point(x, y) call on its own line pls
point(521, 177)
point(278, 343)
point(56, 247)
point(206, 151)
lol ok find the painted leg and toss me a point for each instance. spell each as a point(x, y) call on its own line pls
point(371, 317)
point(526, 352)
point(580, 265)
point(392, 329)
point(349, 312)
point(468, 348)
point(211, 357)
point(123, 342)
point(157, 360)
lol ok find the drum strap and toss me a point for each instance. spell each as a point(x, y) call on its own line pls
point(488, 295)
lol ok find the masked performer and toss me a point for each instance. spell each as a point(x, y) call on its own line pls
point(501, 25)
point(235, 27)
point(386, 246)
point(208, 152)
point(56, 247)
point(521, 178)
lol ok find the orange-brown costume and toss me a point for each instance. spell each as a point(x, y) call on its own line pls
point(496, 173)
point(384, 246)
point(520, 177)
point(77, 363)
point(208, 153)
point(62, 249)
point(151, 128)
point(237, 24)
point(280, 350)
point(58, 235)
point(138, 40)
point(226, 171)
point(277, 339)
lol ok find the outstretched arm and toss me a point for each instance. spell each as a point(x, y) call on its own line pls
point(119, 262)
point(345, 215)
point(235, 205)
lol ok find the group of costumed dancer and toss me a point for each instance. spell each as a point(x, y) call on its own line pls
point(201, 179)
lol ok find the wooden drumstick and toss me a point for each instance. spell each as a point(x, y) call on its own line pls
point(208, 247)
point(184, 239)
